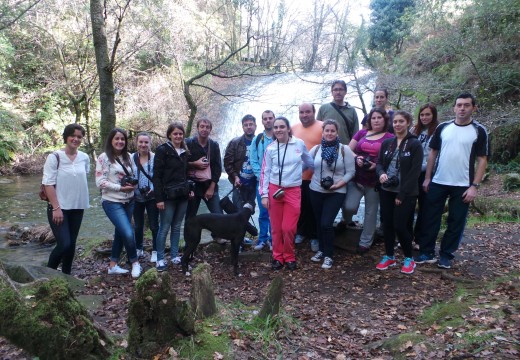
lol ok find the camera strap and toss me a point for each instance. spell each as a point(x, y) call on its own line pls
point(280, 167)
point(140, 167)
point(124, 167)
point(335, 163)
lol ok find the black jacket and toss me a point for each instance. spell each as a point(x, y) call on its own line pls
point(410, 162)
point(197, 152)
point(168, 169)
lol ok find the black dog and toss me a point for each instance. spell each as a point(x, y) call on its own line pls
point(231, 227)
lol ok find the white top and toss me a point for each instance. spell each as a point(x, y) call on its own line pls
point(297, 159)
point(70, 178)
point(108, 179)
point(345, 169)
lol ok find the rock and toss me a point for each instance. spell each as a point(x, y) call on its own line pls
point(202, 296)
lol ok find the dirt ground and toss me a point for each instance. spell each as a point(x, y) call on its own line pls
point(352, 310)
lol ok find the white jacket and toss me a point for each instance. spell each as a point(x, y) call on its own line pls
point(297, 159)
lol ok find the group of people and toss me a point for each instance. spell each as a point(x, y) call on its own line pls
point(300, 176)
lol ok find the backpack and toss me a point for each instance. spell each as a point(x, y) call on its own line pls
point(43, 196)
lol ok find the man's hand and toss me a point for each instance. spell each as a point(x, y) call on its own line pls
point(160, 205)
point(470, 194)
point(426, 185)
point(237, 182)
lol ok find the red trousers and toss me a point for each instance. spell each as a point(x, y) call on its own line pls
point(284, 214)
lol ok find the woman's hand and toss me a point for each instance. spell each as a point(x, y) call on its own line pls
point(127, 188)
point(201, 164)
point(191, 195)
point(57, 216)
point(383, 178)
point(160, 205)
point(397, 202)
point(338, 185)
point(359, 161)
point(265, 202)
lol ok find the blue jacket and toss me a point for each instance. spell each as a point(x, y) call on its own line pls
point(258, 146)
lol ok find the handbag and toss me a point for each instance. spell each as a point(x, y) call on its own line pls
point(202, 175)
point(177, 191)
point(42, 194)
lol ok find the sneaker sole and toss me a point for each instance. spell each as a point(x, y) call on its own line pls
point(443, 266)
point(379, 268)
point(316, 260)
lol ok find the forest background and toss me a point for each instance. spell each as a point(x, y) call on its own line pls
point(142, 64)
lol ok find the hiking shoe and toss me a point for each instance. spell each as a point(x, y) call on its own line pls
point(298, 239)
point(315, 245)
point(291, 265)
point(408, 266)
point(176, 260)
point(220, 240)
point(327, 263)
point(386, 262)
point(317, 257)
point(425, 258)
point(154, 256)
point(444, 263)
point(161, 265)
point(259, 246)
point(277, 265)
point(116, 270)
point(136, 270)
point(140, 253)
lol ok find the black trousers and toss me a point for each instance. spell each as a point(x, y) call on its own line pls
point(306, 222)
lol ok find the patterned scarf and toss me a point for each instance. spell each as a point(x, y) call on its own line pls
point(329, 150)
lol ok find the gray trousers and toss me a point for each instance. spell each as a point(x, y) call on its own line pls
point(354, 194)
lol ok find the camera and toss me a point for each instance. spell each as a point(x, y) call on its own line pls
point(366, 163)
point(128, 180)
point(327, 182)
point(278, 194)
point(392, 181)
point(144, 190)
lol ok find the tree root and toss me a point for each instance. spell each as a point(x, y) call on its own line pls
point(447, 276)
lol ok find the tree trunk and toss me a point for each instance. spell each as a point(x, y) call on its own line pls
point(155, 316)
point(104, 69)
point(271, 306)
point(49, 323)
point(202, 296)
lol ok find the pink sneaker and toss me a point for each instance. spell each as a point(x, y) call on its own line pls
point(386, 262)
point(408, 266)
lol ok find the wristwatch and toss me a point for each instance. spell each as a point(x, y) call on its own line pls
point(475, 185)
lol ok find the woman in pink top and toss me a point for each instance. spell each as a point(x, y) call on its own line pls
point(366, 144)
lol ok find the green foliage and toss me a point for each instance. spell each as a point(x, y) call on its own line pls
point(391, 23)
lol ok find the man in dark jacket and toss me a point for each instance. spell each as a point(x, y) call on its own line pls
point(237, 164)
point(205, 168)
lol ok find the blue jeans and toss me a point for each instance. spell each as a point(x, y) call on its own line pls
point(326, 207)
point(66, 234)
point(264, 223)
point(120, 214)
point(153, 219)
point(431, 224)
point(171, 217)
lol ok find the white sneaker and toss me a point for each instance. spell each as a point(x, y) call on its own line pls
point(116, 270)
point(317, 257)
point(259, 246)
point(298, 239)
point(327, 263)
point(315, 245)
point(220, 240)
point(176, 260)
point(136, 270)
point(140, 253)
point(154, 256)
point(161, 265)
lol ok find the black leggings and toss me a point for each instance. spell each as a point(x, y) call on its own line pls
point(397, 221)
point(66, 234)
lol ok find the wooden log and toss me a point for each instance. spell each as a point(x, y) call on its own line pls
point(273, 299)
point(202, 295)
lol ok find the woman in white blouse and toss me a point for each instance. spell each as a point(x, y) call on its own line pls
point(65, 180)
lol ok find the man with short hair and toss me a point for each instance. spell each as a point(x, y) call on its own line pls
point(237, 164)
point(258, 146)
point(310, 131)
point(340, 111)
point(451, 173)
point(205, 168)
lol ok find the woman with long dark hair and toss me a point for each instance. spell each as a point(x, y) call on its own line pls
point(280, 180)
point(424, 128)
point(365, 145)
point(65, 179)
point(169, 179)
point(398, 169)
point(115, 178)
